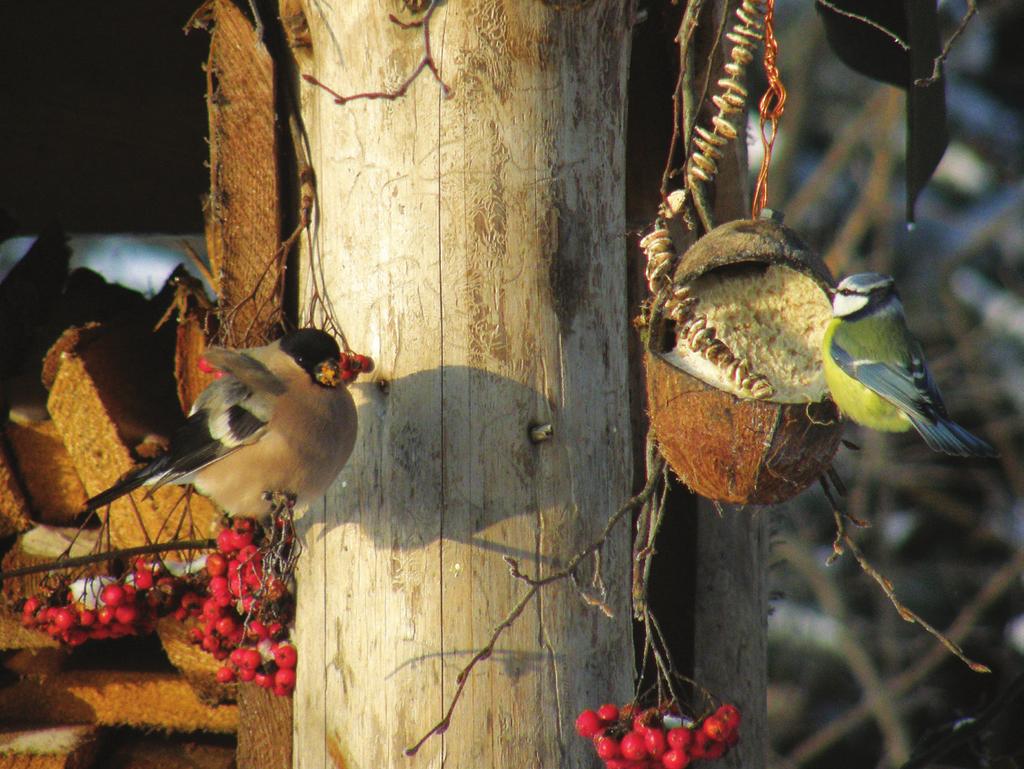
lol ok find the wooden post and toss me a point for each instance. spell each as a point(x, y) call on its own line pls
point(474, 246)
point(731, 617)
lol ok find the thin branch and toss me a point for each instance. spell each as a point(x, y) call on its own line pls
point(922, 82)
point(426, 62)
point(896, 686)
point(85, 560)
point(865, 20)
point(906, 613)
point(535, 585)
point(858, 661)
point(684, 113)
point(648, 523)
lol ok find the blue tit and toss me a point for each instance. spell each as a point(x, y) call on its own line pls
point(876, 370)
point(279, 419)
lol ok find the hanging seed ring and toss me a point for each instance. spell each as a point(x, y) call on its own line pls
point(736, 390)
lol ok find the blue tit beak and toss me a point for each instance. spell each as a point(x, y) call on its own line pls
point(328, 373)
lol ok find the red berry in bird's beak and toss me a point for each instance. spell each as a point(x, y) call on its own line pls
point(353, 364)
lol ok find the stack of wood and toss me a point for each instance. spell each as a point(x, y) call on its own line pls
point(90, 392)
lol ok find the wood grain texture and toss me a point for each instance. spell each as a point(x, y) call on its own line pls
point(14, 509)
point(475, 248)
point(13, 635)
point(264, 730)
point(114, 698)
point(104, 399)
point(49, 475)
point(731, 609)
point(197, 666)
point(243, 219)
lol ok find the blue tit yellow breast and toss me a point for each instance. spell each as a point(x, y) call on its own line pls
point(856, 401)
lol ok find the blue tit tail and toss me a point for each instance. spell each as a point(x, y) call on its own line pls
point(945, 435)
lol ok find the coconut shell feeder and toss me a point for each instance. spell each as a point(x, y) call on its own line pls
point(736, 392)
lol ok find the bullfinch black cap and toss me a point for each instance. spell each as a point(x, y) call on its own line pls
point(310, 347)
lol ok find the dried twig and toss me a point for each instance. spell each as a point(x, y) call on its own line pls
point(865, 20)
point(426, 63)
point(972, 8)
point(535, 583)
point(684, 112)
point(898, 685)
point(909, 616)
point(647, 525)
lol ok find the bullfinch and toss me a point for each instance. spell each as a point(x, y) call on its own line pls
point(279, 418)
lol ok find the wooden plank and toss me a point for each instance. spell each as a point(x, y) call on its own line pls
point(13, 635)
point(265, 731)
point(474, 248)
point(102, 408)
point(14, 510)
point(197, 666)
point(174, 752)
point(243, 220)
point(50, 477)
point(42, 545)
point(114, 698)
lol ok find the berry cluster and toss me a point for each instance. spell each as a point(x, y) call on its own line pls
point(104, 607)
point(657, 738)
point(353, 364)
point(243, 618)
point(241, 607)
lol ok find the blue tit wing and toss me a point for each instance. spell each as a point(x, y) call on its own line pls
point(881, 354)
point(906, 382)
point(899, 387)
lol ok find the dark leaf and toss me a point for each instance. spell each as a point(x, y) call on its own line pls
point(897, 43)
point(869, 36)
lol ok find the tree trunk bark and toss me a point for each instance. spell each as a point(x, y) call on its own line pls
point(474, 246)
